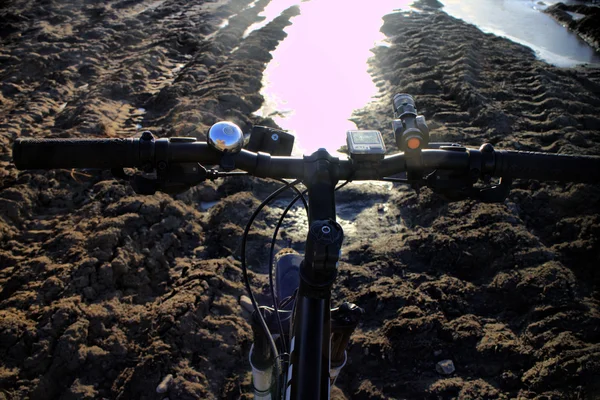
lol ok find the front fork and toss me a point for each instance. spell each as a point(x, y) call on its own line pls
point(344, 320)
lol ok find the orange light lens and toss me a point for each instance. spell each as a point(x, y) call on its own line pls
point(413, 143)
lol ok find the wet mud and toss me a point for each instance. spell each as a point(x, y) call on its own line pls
point(580, 18)
point(104, 293)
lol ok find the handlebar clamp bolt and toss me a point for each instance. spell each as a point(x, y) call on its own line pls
point(486, 148)
point(147, 135)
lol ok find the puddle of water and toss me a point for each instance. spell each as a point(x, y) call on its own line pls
point(318, 75)
point(271, 11)
point(150, 7)
point(296, 222)
point(177, 68)
point(225, 22)
point(222, 25)
point(523, 22)
point(137, 117)
point(575, 16)
point(206, 205)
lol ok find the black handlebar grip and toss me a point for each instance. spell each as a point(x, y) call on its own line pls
point(76, 153)
point(547, 167)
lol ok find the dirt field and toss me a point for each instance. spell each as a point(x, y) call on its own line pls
point(103, 292)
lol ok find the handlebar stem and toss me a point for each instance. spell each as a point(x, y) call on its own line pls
point(310, 351)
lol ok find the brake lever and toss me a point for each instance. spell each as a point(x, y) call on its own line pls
point(174, 179)
point(140, 184)
point(495, 193)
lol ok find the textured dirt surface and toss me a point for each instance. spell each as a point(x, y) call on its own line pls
point(103, 292)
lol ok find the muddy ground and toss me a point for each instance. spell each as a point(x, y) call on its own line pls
point(580, 18)
point(104, 292)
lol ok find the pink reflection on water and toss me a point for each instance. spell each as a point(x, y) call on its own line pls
point(319, 73)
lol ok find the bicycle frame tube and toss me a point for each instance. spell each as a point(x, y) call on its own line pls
point(310, 349)
point(308, 373)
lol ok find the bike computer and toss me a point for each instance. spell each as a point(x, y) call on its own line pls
point(365, 145)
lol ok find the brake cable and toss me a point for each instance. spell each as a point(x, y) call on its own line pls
point(272, 255)
point(261, 318)
point(271, 259)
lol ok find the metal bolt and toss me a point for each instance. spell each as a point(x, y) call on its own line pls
point(326, 230)
point(486, 148)
point(275, 137)
point(421, 124)
point(162, 165)
point(147, 135)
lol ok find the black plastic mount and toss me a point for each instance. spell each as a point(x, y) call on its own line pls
point(167, 177)
point(319, 268)
point(458, 185)
point(408, 125)
point(270, 140)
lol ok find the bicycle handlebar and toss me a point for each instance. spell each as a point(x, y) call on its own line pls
point(547, 166)
point(76, 153)
point(140, 152)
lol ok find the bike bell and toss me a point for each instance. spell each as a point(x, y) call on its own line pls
point(226, 137)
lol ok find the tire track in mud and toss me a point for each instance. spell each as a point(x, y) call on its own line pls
point(79, 69)
point(530, 98)
point(509, 292)
point(103, 291)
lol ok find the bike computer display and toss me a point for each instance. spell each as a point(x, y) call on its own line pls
point(365, 145)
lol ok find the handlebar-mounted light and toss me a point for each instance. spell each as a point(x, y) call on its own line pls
point(412, 133)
